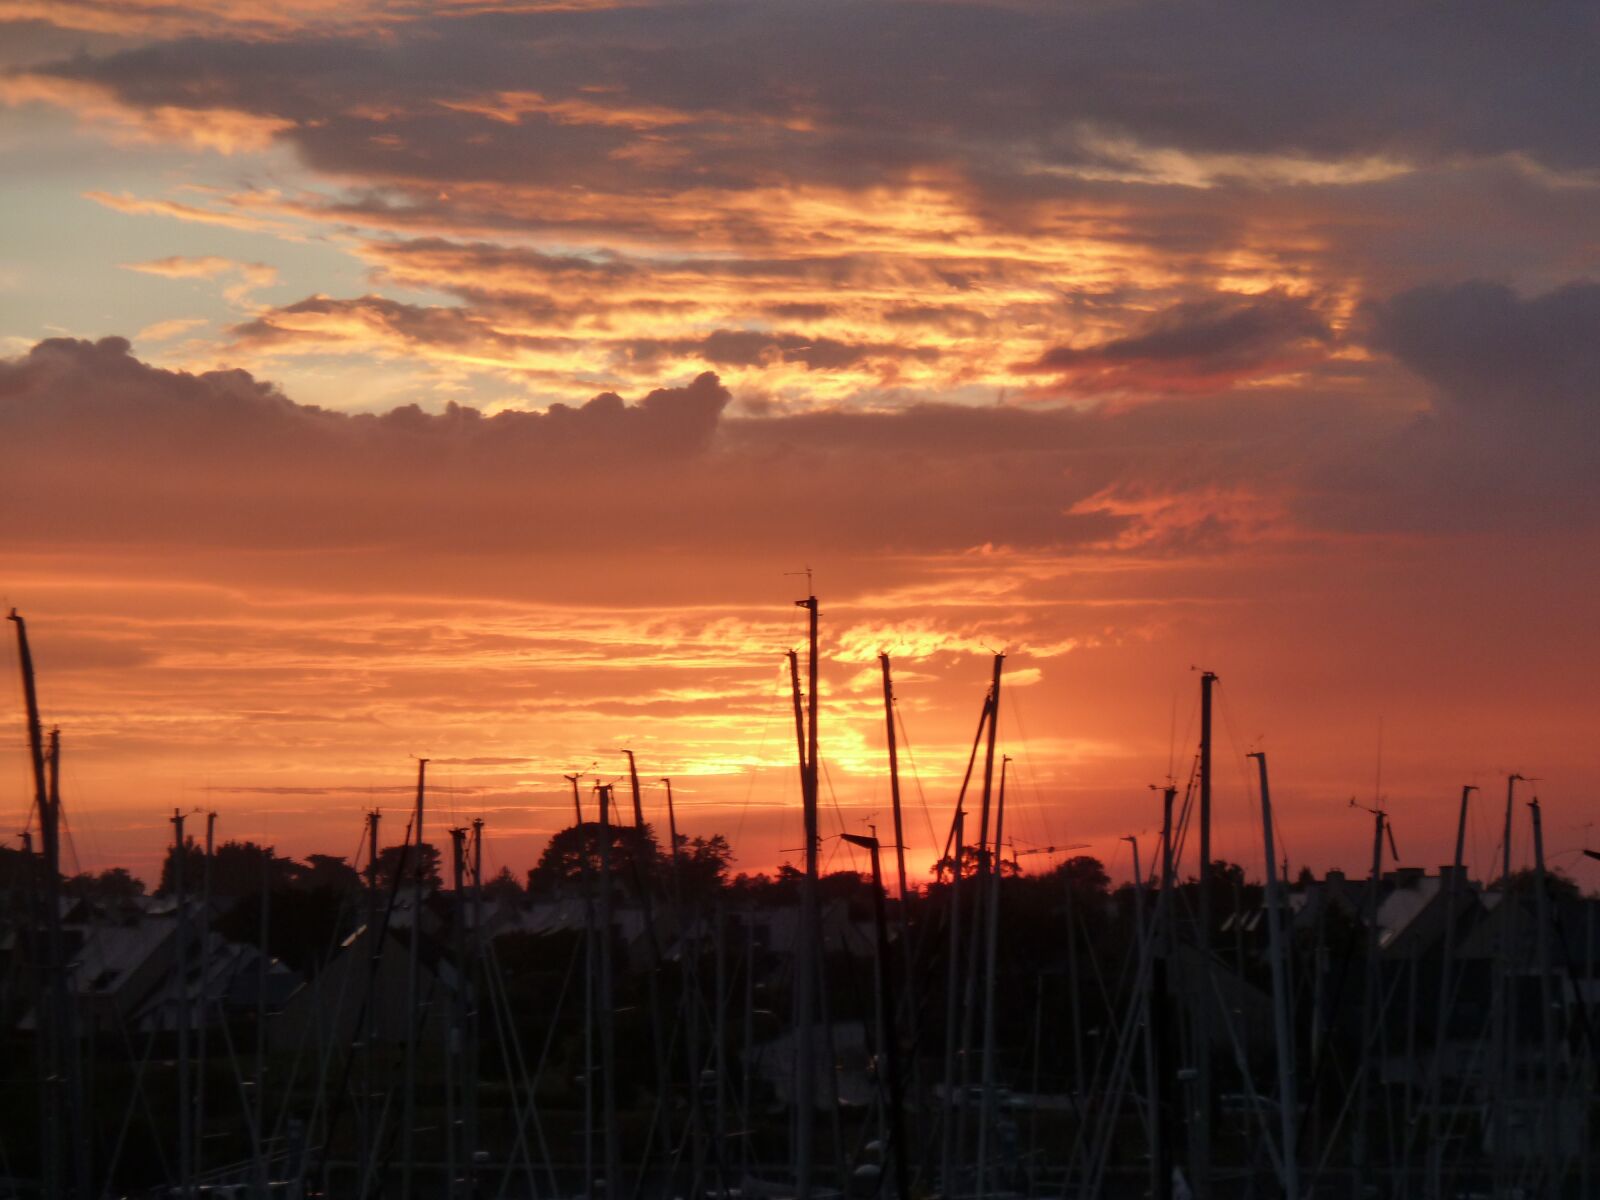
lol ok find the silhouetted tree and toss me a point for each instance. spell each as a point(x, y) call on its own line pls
point(503, 887)
point(236, 869)
point(1084, 874)
point(703, 865)
point(633, 849)
point(420, 859)
point(783, 887)
point(114, 885)
point(328, 872)
point(972, 860)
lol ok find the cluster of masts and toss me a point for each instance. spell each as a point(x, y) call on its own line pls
point(930, 1140)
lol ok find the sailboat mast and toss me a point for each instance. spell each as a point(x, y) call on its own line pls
point(370, 1034)
point(1164, 1126)
point(413, 975)
point(1369, 1017)
point(70, 1071)
point(1204, 1008)
point(474, 992)
point(980, 897)
point(984, 858)
point(30, 698)
point(1288, 1110)
point(688, 933)
point(608, 1013)
point(47, 1013)
point(1435, 1186)
point(952, 1012)
point(1504, 1022)
point(894, 787)
point(185, 1113)
point(990, 970)
point(454, 1084)
point(908, 1001)
point(633, 786)
point(205, 976)
point(806, 942)
point(1142, 951)
point(1547, 1006)
point(587, 848)
point(891, 1037)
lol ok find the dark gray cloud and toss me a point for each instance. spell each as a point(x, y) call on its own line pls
point(1222, 335)
point(858, 93)
point(1533, 363)
point(1511, 438)
point(95, 403)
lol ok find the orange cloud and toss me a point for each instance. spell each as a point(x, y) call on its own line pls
point(225, 130)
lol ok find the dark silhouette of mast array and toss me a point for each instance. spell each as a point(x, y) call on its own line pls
point(414, 1077)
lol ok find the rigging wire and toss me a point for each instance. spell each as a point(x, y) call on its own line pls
point(1023, 759)
point(916, 778)
point(779, 701)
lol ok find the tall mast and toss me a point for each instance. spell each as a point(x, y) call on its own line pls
point(577, 807)
point(587, 848)
point(908, 994)
point(633, 784)
point(980, 896)
point(71, 1070)
point(984, 858)
point(55, 1028)
point(952, 1013)
point(1288, 1110)
point(1205, 1007)
point(1370, 1015)
point(1142, 949)
point(991, 967)
point(688, 931)
point(1435, 1186)
point(894, 788)
point(1164, 1128)
point(47, 1013)
point(643, 872)
point(205, 973)
point(1547, 1005)
point(31, 700)
point(672, 834)
point(263, 960)
point(806, 943)
point(954, 1006)
point(474, 992)
point(608, 1013)
point(891, 1038)
point(185, 1112)
point(413, 976)
point(374, 955)
point(1505, 1021)
point(454, 1081)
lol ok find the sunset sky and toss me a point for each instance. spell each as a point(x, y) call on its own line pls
point(478, 381)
